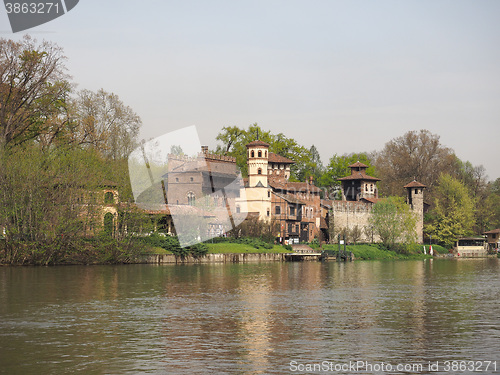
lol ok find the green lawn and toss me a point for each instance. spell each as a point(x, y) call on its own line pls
point(370, 252)
point(238, 248)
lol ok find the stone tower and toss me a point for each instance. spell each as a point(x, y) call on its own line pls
point(257, 156)
point(258, 192)
point(415, 198)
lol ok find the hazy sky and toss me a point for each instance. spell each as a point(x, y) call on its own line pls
point(346, 76)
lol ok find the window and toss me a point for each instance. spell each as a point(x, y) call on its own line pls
point(277, 210)
point(109, 198)
point(268, 213)
point(238, 210)
point(191, 179)
point(253, 153)
point(259, 171)
point(269, 194)
point(371, 187)
point(177, 179)
point(266, 154)
point(191, 198)
point(292, 210)
point(260, 153)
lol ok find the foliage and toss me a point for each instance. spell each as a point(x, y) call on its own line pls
point(234, 141)
point(171, 243)
point(394, 222)
point(454, 209)
point(255, 228)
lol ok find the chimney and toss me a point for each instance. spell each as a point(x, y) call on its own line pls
point(204, 149)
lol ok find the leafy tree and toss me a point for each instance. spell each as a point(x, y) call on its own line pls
point(33, 91)
point(394, 222)
point(234, 141)
point(418, 155)
point(453, 214)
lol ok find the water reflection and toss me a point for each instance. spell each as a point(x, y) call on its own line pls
point(246, 318)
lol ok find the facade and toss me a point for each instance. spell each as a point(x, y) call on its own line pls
point(471, 247)
point(359, 194)
point(493, 238)
point(294, 206)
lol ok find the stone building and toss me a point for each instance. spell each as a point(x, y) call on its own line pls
point(359, 194)
point(295, 206)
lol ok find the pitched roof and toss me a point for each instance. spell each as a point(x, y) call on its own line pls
point(361, 175)
point(415, 184)
point(371, 200)
point(275, 158)
point(494, 231)
point(358, 165)
point(289, 198)
point(258, 142)
point(294, 186)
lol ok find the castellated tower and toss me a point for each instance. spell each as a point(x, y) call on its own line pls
point(258, 192)
point(257, 156)
point(415, 198)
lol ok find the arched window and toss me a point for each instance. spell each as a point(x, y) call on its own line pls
point(109, 198)
point(268, 213)
point(191, 198)
point(253, 153)
point(259, 171)
point(260, 153)
point(266, 154)
point(109, 223)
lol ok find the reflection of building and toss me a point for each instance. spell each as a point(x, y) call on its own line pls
point(493, 237)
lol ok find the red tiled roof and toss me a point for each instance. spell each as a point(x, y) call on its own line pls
point(326, 203)
point(358, 165)
point(415, 183)
point(371, 200)
point(361, 175)
point(258, 143)
point(275, 158)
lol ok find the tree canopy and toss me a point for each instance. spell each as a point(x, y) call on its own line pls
point(454, 209)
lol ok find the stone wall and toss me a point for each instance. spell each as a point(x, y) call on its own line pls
point(214, 258)
point(348, 215)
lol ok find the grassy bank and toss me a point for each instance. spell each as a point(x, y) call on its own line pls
point(376, 252)
point(238, 248)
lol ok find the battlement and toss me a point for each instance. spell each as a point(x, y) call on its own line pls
point(351, 206)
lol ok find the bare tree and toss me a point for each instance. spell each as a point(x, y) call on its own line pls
point(105, 123)
point(33, 89)
point(417, 154)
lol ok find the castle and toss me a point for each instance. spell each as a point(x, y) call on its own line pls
point(299, 209)
point(295, 208)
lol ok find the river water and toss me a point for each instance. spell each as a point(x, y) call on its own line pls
point(261, 318)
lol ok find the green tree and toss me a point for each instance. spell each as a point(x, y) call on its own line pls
point(234, 141)
point(453, 213)
point(394, 222)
